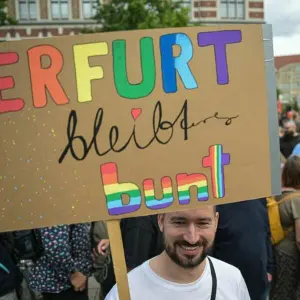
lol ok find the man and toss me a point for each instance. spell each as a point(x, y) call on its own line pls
point(296, 150)
point(243, 240)
point(184, 270)
point(63, 270)
point(290, 138)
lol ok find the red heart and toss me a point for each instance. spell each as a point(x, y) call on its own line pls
point(135, 112)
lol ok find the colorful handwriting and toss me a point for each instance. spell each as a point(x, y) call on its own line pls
point(46, 79)
point(114, 190)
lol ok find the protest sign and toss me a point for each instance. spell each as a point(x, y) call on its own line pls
point(113, 125)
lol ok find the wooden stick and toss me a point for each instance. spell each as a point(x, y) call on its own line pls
point(117, 251)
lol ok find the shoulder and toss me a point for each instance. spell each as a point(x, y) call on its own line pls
point(230, 278)
point(295, 200)
point(113, 294)
point(135, 277)
point(225, 270)
point(291, 195)
point(296, 150)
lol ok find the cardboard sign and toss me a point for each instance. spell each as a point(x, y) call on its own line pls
point(116, 125)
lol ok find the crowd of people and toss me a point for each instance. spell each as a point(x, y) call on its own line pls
point(215, 252)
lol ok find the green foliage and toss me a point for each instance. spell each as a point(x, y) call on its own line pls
point(278, 92)
point(118, 15)
point(294, 105)
point(4, 18)
point(291, 105)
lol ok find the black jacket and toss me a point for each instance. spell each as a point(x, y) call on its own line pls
point(287, 144)
point(243, 240)
point(10, 276)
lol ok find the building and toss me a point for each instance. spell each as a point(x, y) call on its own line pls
point(226, 11)
point(46, 18)
point(288, 76)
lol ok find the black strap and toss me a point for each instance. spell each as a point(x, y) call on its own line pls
point(214, 280)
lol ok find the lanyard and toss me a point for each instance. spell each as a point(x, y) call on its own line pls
point(214, 280)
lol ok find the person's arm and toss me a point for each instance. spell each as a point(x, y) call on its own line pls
point(57, 249)
point(99, 231)
point(100, 237)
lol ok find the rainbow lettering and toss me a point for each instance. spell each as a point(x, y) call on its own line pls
point(185, 182)
point(114, 190)
point(151, 201)
point(84, 73)
point(216, 161)
point(50, 83)
point(170, 64)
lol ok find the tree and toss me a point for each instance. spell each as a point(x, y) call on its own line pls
point(4, 17)
point(278, 92)
point(118, 15)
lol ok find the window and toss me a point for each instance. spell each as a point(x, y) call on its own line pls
point(60, 9)
point(27, 9)
point(233, 9)
point(90, 8)
point(284, 86)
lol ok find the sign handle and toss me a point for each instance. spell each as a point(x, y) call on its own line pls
point(117, 251)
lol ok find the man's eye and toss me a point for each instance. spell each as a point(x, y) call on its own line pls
point(178, 222)
point(203, 224)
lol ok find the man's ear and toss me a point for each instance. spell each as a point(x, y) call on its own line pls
point(217, 220)
point(160, 219)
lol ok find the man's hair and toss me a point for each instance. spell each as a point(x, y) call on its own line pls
point(291, 173)
point(214, 207)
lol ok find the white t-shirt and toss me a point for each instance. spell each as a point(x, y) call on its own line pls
point(145, 284)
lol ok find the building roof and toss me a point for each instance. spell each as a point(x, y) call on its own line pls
point(281, 61)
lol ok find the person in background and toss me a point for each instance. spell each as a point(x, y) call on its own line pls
point(243, 240)
point(286, 283)
point(297, 121)
point(290, 138)
point(142, 240)
point(101, 252)
point(10, 276)
point(184, 270)
point(62, 271)
point(296, 150)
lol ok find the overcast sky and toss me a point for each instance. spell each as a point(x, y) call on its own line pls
point(284, 15)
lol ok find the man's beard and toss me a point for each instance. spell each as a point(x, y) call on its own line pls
point(187, 261)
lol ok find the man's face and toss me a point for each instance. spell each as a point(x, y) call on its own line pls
point(290, 129)
point(189, 235)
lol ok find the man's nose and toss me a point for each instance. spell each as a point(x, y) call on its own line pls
point(191, 235)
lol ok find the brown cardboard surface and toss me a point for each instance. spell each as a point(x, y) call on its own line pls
point(117, 250)
point(36, 190)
